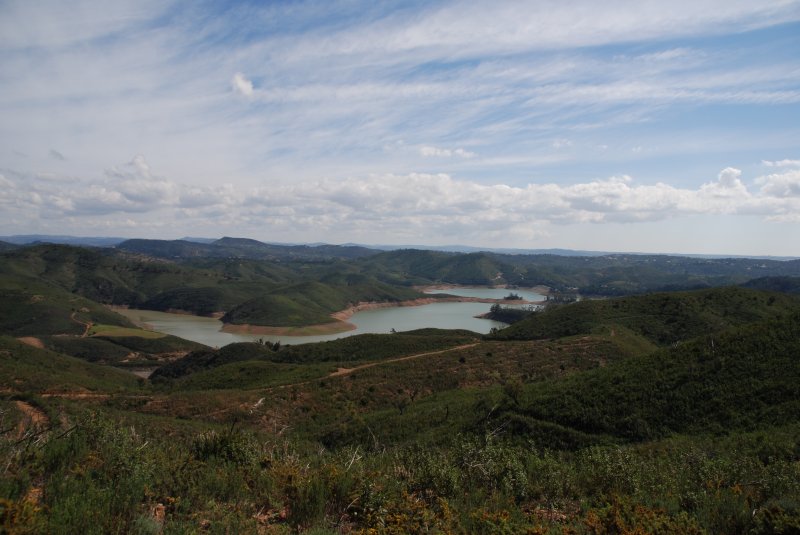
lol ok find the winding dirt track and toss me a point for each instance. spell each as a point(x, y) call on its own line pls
point(347, 371)
point(86, 324)
point(341, 372)
point(36, 418)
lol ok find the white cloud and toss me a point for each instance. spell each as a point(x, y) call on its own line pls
point(242, 85)
point(561, 143)
point(459, 29)
point(781, 185)
point(497, 87)
point(399, 204)
point(445, 153)
point(728, 184)
point(781, 163)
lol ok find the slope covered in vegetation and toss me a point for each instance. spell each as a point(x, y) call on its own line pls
point(663, 318)
point(309, 303)
point(742, 378)
point(661, 413)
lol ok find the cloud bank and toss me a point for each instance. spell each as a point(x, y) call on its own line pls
point(399, 205)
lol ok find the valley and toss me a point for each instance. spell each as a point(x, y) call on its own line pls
point(668, 404)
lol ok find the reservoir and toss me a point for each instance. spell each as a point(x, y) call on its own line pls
point(382, 320)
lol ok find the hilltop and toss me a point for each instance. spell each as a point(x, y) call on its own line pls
point(241, 248)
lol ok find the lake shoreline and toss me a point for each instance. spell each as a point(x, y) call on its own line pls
point(342, 325)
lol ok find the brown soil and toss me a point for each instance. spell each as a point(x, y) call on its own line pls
point(76, 395)
point(340, 372)
point(33, 418)
point(347, 371)
point(144, 373)
point(31, 341)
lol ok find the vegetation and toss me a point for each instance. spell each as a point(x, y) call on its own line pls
point(663, 318)
point(671, 412)
point(314, 302)
point(241, 248)
point(509, 315)
point(287, 286)
point(344, 350)
point(789, 285)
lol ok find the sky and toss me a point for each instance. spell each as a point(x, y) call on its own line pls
point(639, 126)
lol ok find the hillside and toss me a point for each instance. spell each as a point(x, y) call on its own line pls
point(304, 288)
point(33, 371)
point(598, 431)
point(603, 275)
point(789, 285)
point(344, 350)
point(29, 308)
point(50, 317)
point(662, 318)
point(741, 378)
point(241, 248)
point(288, 293)
point(310, 303)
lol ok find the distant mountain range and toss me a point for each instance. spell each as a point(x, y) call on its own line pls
point(224, 246)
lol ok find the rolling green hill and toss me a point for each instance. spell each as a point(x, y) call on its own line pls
point(663, 318)
point(30, 308)
point(419, 267)
point(241, 248)
point(789, 285)
point(582, 425)
point(363, 347)
point(310, 303)
point(32, 370)
point(605, 275)
point(287, 293)
point(742, 378)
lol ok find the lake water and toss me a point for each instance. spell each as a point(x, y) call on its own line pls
point(441, 315)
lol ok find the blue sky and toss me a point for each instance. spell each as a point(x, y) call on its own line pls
point(627, 126)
